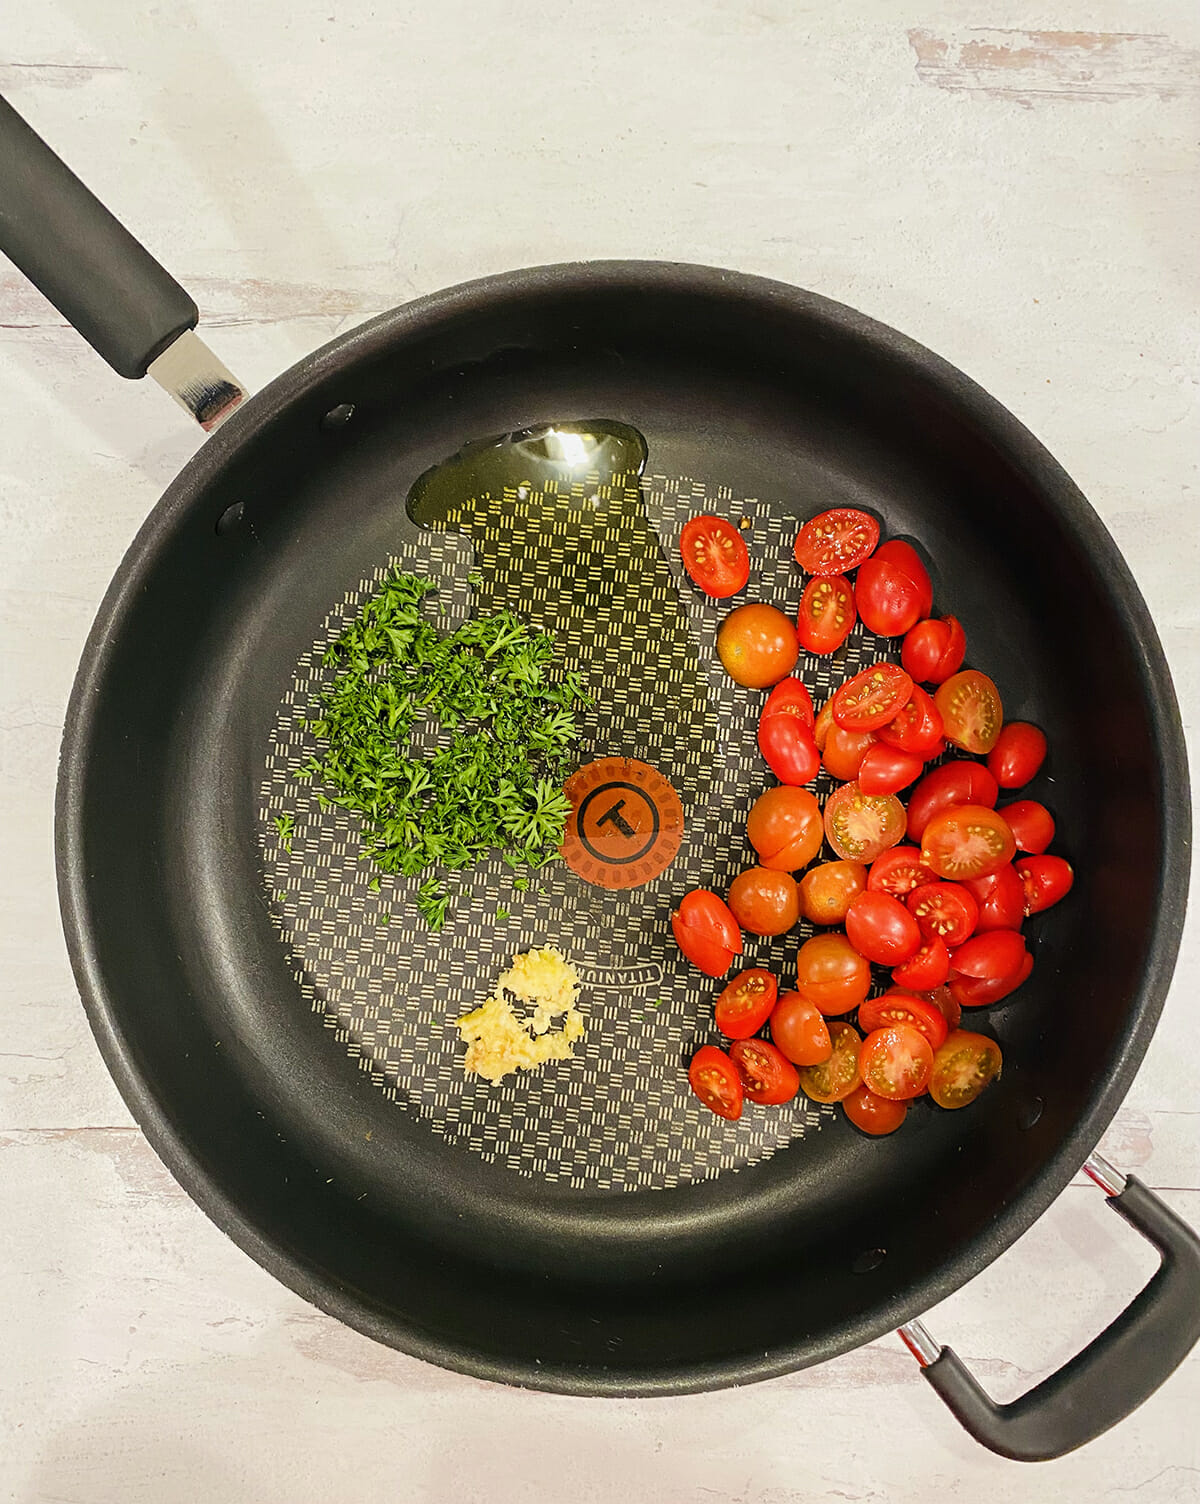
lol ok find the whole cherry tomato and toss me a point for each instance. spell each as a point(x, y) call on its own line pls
point(831, 974)
point(826, 891)
point(992, 957)
point(1019, 752)
point(893, 591)
point(758, 646)
point(785, 828)
point(935, 649)
point(764, 902)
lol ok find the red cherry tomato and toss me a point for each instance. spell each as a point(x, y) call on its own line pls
point(1031, 823)
point(872, 1114)
point(799, 1029)
point(767, 1075)
point(831, 974)
point(893, 592)
point(944, 911)
point(896, 1062)
point(899, 871)
point(834, 1079)
point(1001, 899)
point(706, 932)
point(952, 783)
point(826, 891)
point(785, 828)
point(836, 541)
point(872, 698)
point(714, 1079)
point(861, 826)
point(764, 902)
point(992, 957)
point(971, 710)
point(1019, 752)
point(887, 770)
point(965, 841)
point(844, 752)
point(881, 928)
point(1046, 880)
point(929, 968)
point(790, 697)
point(758, 646)
point(947, 1005)
point(917, 727)
point(714, 554)
point(788, 749)
point(933, 650)
point(980, 992)
point(826, 614)
point(962, 1067)
point(899, 1007)
point(745, 1003)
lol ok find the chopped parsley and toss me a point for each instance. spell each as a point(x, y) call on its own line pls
point(286, 827)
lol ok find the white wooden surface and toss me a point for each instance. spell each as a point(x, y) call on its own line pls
point(1014, 184)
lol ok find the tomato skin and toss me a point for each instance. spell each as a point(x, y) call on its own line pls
point(714, 555)
point(901, 1007)
point(872, 1114)
point(861, 826)
point(827, 891)
point(947, 1005)
point(834, 1079)
point(887, 770)
point(844, 752)
point(1031, 823)
point(944, 911)
point(1046, 879)
point(758, 646)
point(1001, 899)
point(966, 841)
point(706, 932)
point(917, 727)
point(992, 957)
point(767, 1075)
point(799, 1029)
point(714, 1079)
point(764, 901)
point(789, 697)
point(962, 1067)
point(1019, 752)
point(893, 591)
point(826, 614)
point(898, 871)
point(896, 1062)
point(831, 974)
point(971, 710)
point(935, 649)
point(822, 724)
point(872, 697)
point(981, 992)
point(929, 968)
point(836, 541)
point(785, 828)
point(952, 783)
point(881, 928)
point(788, 749)
point(745, 1003)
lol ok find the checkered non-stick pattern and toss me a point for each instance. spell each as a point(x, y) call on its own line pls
point(597, 564)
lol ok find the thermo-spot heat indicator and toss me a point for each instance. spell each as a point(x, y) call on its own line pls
point(626, 823)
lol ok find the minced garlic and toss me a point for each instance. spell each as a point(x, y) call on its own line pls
point(499, 1040)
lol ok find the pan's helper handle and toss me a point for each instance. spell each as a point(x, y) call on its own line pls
point(1113, 1375)
point(103, 281)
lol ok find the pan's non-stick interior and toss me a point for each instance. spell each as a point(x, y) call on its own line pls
point(293, 1057)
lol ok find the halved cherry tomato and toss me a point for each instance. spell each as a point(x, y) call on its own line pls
point(872, 1114)
point(844, 752)
point(887, 770)
point(826, 614)
point(785, 828)
point(758, 646)
point(872, 698)
point(944, 911)
point(879, 927)
point(980, 992)
point(861, 826)
point(745, 1003)
point(896, 1062)
point(706, 932)
point(893, 592)
point(714, 554)
point(947, 1005)
point(764, 902)
point(788, 748)
point(1019, 752)
point(789, 697)
point(927, 969)
point(962, 1067)
point(899, 1007)
point(971, 710)
point(831, 974)
point(933, 650)
point(917, 727)
point(714, 1079)
point(827, 891)
point(992, 957)
point(799, 1029)
point(965, 841)
point(1001, 899)
point(836, 541)
point(953, 783)
point(835, 1078)
point(1031, 823)
point(1046, 880)
point(899, 871)
point(767, 1075)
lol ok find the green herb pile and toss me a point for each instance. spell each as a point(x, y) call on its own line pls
point(497, 786)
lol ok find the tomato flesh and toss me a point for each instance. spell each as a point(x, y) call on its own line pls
point(952, 783)
point(896, 1062)
point(745, 1003)
point(967, 841)
point(872, 698)
point(962, 1067)
point(831, 974)
point(898, 871)
point(1018, 754)
point(872, 1114)
point(882, 929)
point(714, 1079)
point(714, 555)
point(971, 711)
point(764, 901)
point(861, 826)
point(799, 1029)
point(766, 1074)
point(827, 891)
point(933, 650)
point(834, 1079)
point(706, 932)
point(757, 645)
point(826, 614)
point(836, 541)
point(785, 828)
point(900, 1007)
point(944, 911)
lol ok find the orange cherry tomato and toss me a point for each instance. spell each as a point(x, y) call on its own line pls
point(962, 1067)
point(831, 974)
point(826, 891)
point(861, 826)
point(872, 1114)
point(758, 646)
point(764, 901)
point(834, 1079)
point(971, 711)
point(799, 1029)
point(896, 1062)
point(785, 828)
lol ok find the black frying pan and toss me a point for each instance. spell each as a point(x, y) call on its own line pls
point(591, 1231)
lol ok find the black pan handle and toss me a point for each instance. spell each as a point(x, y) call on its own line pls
point(1122, 1367)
